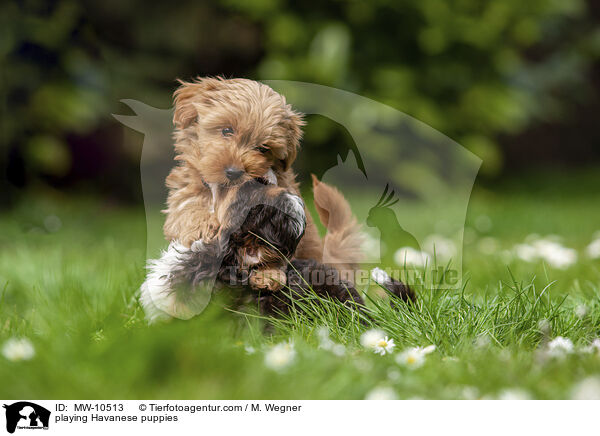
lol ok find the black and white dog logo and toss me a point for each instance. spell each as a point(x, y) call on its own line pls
point(26, 415)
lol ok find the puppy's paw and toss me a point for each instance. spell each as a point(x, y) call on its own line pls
point(267, 279)
point(210, 228)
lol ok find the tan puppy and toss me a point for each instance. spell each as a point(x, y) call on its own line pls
point(229, 131)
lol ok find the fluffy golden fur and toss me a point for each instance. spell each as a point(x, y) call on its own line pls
point(240, 126)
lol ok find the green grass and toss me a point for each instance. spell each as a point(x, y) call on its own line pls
point(71, 292)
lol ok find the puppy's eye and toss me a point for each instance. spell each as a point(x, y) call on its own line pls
point(263, 148)
point(227, 131)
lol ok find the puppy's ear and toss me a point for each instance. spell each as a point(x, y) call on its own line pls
point(294, 122)
point(188, 95)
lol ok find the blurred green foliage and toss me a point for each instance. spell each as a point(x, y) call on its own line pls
point(472, 69)
point(67, 64)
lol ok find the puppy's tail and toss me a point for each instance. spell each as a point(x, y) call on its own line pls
point(343, 241)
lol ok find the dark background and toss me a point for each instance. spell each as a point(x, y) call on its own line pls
point(515, 81)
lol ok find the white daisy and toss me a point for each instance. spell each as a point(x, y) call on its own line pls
point(547, 249)
point(545, 327)
point(587, 389)
point(559, 347)
point(384, 346)
point(381, 393)
point(581, 310)
point(326, 343)
point(526, 252)
point(280, 355)
point(370, 338)
point(483, 341)
point(594, 347)
point(428, 349)
point(514, 394)
point(410, 257)
point(593, 250)
point(338, 350)
point(555, 254)
point(414, 357)
point(470, 393)
point(16, 349)
point(444, 248)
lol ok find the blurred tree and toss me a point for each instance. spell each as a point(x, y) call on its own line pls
point(66, 65)
point(472, 69)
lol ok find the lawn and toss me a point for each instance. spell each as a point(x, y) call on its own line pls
point(70, 267)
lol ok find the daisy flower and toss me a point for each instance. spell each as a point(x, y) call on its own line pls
point(470, 393)
point(410, 257)
point(581, 311)
point(548, 250)
point(339, 350)
point(428, 349)
point(382, 393)
point(16, 349)
point(414, 357)
point(384, 346)
point(559, 347)
point(514, 394)
point(326, 343)
point(594, 347)
point(544, 327)
point(280, 355)
point(443, 248)
point(593, 250)
point(587, 389)
point(555, 254)
point(526, 252)
point(482, 341)
point(370, 338)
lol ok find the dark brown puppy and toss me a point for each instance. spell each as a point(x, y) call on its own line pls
point(265, 225)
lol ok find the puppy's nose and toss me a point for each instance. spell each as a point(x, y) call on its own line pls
point(233, 173)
